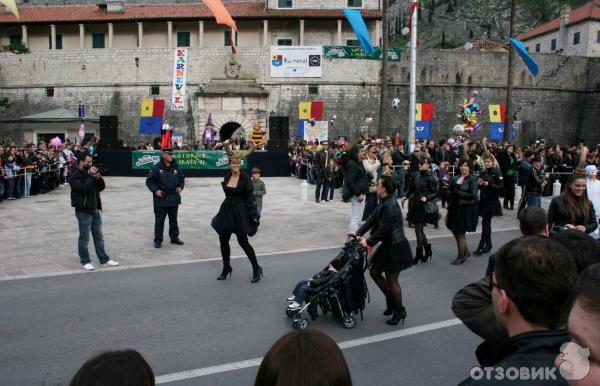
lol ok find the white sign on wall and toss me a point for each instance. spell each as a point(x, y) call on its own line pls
point(180, 67)
point(320, 131)
point(296, 62)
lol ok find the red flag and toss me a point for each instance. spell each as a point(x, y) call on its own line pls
point(220, 13)
point(316, 110)
point(503, 112)
point(158, 108)
point(427, 112)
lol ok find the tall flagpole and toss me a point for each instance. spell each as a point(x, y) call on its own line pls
point(413, 77)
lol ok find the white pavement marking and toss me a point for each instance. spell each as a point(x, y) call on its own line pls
point(190, 374)
point(181, 262)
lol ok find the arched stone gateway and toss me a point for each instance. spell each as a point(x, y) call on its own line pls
point(228, 130)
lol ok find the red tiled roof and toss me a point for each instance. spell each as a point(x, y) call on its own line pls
point(589, 11)
point(141, 12)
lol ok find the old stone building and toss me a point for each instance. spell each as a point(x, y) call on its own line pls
point(561, 104)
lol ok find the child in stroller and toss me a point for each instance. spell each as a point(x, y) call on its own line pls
point(339, 288)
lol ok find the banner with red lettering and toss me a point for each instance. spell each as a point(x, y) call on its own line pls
point(180, 67)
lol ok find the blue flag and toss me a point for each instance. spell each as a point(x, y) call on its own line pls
point(423, 129)
point(150, 125)
point(358, 25)
point(528, 59)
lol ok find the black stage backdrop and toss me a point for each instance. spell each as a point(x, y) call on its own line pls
point(271, 164)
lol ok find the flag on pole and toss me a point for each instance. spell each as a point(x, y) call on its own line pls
point(220, 13)
point(360, 29)
point(497, 119)
point(527, 58)
point(12, 6)
point(423, 118)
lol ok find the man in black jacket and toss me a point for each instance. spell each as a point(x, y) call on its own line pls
point(532, 288)
point(356, 185)
point(86, 185)
point(321, 161)
point(166, 181)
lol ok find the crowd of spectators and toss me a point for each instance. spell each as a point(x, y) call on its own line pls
point(28, 169)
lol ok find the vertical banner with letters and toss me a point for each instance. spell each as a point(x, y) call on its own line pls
point(180, 67)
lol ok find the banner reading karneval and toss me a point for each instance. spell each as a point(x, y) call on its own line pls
point(296, 62)
point(180, 67)
point(345, 52)
point(208, 160)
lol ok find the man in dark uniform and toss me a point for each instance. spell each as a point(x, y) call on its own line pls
point(166, 181)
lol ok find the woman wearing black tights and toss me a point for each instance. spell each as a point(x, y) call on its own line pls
point(394, 254)
point(238, 216)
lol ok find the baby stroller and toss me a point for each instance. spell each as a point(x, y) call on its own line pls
point(344, 294)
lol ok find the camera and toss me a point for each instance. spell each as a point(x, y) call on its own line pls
point(102, 169)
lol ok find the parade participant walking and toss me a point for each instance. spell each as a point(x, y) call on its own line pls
point(422, 193)
point(371, 164)
point(462, 208)
point(508, 166)
point(237, 215)
point(86, 185)
point(166, 181)
point(573, 209)
point(394, 254)
point(490, 186)
point(356, 185)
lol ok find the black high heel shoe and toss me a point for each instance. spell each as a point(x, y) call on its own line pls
point(257, 275)
point(226, 271)
point(397, 317)
point(428, 253)
point(389, 309)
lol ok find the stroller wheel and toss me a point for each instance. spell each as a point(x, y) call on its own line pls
point(300, 324)
point(348, 321)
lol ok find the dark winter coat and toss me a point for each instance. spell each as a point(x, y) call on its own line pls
point(536, 349)
point(489, 195)
point(464, 194)
point(385, 224)
point(535, 181)
point(422, 184)
point(558, 215)
point(237, 213)
point(166, 179)
point(356, 181)
point(85, 191)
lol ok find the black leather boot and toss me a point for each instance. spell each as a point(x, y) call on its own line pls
point(428, 253)
point(418, 256)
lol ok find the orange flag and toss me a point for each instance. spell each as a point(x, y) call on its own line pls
point(220, 13)
point(12, 6)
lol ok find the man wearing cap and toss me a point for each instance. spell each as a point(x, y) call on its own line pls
point(166, 181)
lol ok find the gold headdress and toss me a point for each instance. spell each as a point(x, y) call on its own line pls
point(236, 156)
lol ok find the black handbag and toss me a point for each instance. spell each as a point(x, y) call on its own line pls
point(430, 207)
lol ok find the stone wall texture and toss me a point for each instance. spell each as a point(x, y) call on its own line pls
point(562, 104)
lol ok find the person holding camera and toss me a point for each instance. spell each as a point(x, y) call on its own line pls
point(166, 181)
point(86, 185)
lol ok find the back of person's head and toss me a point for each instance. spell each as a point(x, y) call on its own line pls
point(353, 152)
point(533, 221)
point(538, 275)
point(587, 289)
point(304, 358)
point(115, 368)
point(583, 247)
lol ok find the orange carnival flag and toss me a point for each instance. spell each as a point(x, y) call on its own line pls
point(220, 13)
point(11, 6)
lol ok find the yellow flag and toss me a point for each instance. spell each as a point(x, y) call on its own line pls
point(12, 6)
point(419, 114)
point(495, 114)
point(147, 107)
point(304, 110)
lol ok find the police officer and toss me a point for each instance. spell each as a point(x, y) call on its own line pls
point(166, 181)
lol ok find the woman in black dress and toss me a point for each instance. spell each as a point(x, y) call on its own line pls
point(237, 215)
point(423, 189)
point(394, 254)
point(490, 185)
point(462, 208)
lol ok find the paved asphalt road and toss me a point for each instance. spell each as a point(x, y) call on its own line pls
point(180, 318)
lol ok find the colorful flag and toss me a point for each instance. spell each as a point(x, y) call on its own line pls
point(310, 110)
point(220, 13)
point(527, 58)
point(496, 114)
point(12, 6)
point(316, 110)
point(158, 108)
point(150, 125)
point(497, 119)
point(360, 29)
point(423, 118)
point(147, 108)
point(304, 110)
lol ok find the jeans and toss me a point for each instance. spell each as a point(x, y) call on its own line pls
point(357, 211)
point(534, 200)
point(300, 291)
point(90, 221)
point(10, 187)
point(27, 184)
point(259, 209)
point(400, 176)
point(328, 189)
point(159, 222)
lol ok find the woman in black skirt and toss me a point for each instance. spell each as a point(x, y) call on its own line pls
point(422, 190)
point(394, 253)
point(237, 215)
point(462, 208)
point(490, 185)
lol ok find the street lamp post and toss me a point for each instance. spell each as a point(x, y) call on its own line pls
point(413, 78)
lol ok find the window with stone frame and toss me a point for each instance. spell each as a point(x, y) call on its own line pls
point(183, 39)
point(59, 42)
point(598, 37)
point(285, 41)
point(98, 40)
point(355, 3)
point(553, 45)
point(285, 4)
point(538, 47)
point(576, 38)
